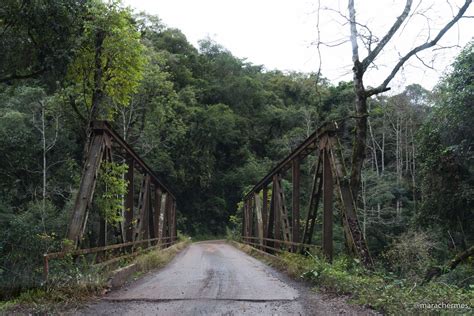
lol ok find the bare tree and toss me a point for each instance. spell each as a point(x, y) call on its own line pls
point(360, 67)
point(47, 144)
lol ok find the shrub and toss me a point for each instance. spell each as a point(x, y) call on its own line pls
point(410, 256)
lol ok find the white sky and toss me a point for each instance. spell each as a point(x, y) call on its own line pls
point(279, 34)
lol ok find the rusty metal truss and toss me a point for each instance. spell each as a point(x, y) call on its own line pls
point(154, 216)
point(266, 221)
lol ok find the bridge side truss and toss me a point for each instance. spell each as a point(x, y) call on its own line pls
point(266, 221)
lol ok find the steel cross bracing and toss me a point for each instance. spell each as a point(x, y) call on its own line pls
point(149, 216)
point(271, 229)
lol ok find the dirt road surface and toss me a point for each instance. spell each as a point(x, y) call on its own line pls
point(214, 278)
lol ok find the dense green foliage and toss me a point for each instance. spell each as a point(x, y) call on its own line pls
point(212, 125)
point(378, 290)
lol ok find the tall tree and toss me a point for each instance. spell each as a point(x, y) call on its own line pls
point(109, 64)
point(360, 67)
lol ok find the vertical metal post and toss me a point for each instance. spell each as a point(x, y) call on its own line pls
point(175, 228)
point(249, 220)
point(258, 213)
point(296, 201)
point(128, 225)
point(86, 189)
point(244, 221)
point(327, 207)
point(277, 209)
point(151, 216)
point(158, 196)
point(169, 210)
point(164, 229)
point(146, 210)
point(265, 212)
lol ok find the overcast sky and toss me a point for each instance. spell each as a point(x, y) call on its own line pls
point(280, 34)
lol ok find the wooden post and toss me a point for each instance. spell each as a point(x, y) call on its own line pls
point(327, 207)
point(128, 212)
point(296, 201)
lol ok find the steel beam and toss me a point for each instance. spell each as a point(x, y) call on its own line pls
point(296, 201)
point(328, 189)
point(309, 145)
point(103, 126)
point(128, 205)
point(86, 189)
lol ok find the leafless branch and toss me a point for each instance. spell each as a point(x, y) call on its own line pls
point(355, 46)
point(423, 62)
point(426, 45)
point(370, 58)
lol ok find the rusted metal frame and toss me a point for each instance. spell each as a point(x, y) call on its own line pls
point(162, 215)
point(290, 243)
point(313, 202)
point(265, 211)
point(258, 213)
point(169, 215)
point(104, 126)
point(141, 226)
point(151, 215)
point(277, 209)
point(129, 201)
point(296, 172)
point(157, 215)
point(62, 254)
point(354, 237)
point(165, 230)
point(304, 149)
point(86, 189)
point(242, 233)
point(173, 217)
point(249, 218)
point(103, 221)
point(285, 223)
point(264, 246)
point(253, 218)
point(271, 219)
point(328, 189)
point(158, 245)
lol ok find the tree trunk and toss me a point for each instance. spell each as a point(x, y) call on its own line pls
point(98, 93)
point(360, 141)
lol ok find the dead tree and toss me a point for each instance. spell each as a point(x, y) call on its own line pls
point(360, 67)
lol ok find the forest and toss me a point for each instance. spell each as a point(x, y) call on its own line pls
point(212, 125)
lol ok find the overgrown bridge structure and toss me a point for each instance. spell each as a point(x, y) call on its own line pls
point(267, 223)
point(149, 213)
point(149, 207)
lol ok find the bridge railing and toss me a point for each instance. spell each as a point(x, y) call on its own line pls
point(149, 215)
point(267, 222)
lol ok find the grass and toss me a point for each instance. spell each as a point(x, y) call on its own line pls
point(85, 285)
point(378, 290)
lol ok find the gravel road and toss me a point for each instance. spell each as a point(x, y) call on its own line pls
point(214, 278)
